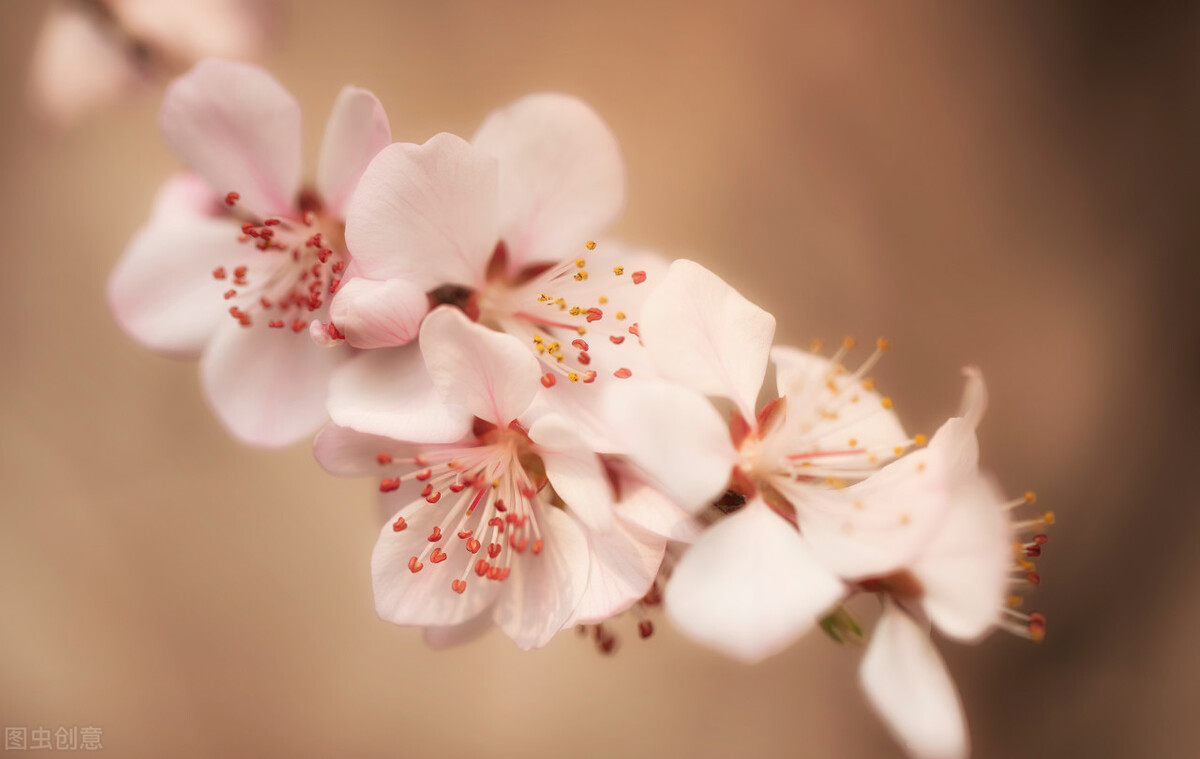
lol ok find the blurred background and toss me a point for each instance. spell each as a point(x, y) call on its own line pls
point(1009, 184)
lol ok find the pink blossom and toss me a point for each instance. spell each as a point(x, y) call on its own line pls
point(239, 257)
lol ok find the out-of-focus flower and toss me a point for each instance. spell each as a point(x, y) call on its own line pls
point(515, 522)
point(238, 257)
point(498, 227)
point(94, 52)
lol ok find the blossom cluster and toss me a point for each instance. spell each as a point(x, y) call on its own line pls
point(564, 427)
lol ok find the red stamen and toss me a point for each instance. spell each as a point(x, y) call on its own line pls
point(438, 556)
point(436, 535)
point(414, 566)
point(383, 459)
point(399, 524)
point(388, 485)
point(639, 277)
point(622, 373)
point(458, 586)
point(231, 198)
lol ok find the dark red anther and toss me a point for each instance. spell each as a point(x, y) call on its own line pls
point(219, 272)
point(1034, 578)
point(493, 550)
point(1033, 551)
point(436, 535)
point(494, 573)
point(265, 302)
point(230, 293)
point(266, 234)
point(481, 567)
point(231, 198)
point(464, 534)
point(1036, 617)
point(337, 267)
point(299, 325)
point(427, 490)
point(458, 586)
point(438, 556)
point(584, 358)
point(458, 487)
point(334, 285)
point(323, 254)
point(247, 228)
point(314, 241)
point(622, 373)
point(383, 459)
point(334, 332)
point(414, 566)
point(388, 485)
point(240, 272)
point(495, 522)
point(633, 330)
point(518, 545)
point(537, 547)
point(1040, 539)
point(437, 496)
point(510, 518)
point(594, 314)
point(500, 505)
point(275, 324)
point(645, 628)
point(425, 475)
point(271, 222)
point(580, 344)
point(399, 524)
point(639, 277)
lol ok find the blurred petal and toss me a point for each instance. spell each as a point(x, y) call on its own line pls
point(375, 314)
point(624, 563)
point(267, 386)
point(488, 372)
point(543, 590)
point(562, 178)
point(643, 506)
point(356, 131)
point(575, 471)
point(675, 436)
point(906, 682)
point(703, 334)
point(749, 586)
point(425, 214)
point(235, 125)
point(389, 392)
point(439, 638)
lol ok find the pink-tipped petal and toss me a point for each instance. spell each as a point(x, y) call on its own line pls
point(544, 589)
point(704, 335)
point(575, 471)
point(488, 372)
point(356, 131)
point(389, 392)
point(375, 314)
point(425, 214)
point(267, 386)
point(236, 126)
point(624, 563)
point(750, 585)
point(562, 177)
point(908, 685)
point(675, 436)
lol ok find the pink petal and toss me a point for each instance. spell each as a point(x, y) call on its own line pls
point(543, 590)
point(267, 386)
point(425, 214)
point(624, 563)
point(356, 131)
point(389, 392)
point(425, 597)
point(192, 30)
point(187, 194)
point(162, 291)
point(704, 335)
point(235, 125)
point(675, 436)
point(378, 314)
point(440, 638)
point(750, 585)
point(906, 682)
point(562, 177)
point(575, 471)
point(348, 453)
point(644, 507)
point(490, 373)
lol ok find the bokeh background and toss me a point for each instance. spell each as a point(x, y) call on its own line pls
point(1010, 184)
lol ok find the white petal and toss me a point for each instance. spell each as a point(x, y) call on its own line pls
point(490, 373)
point(650, 510)
point(703, 334)
point(964, 570)
point(543, 590)
point(267, 386)
point(575, 471)
point(750, 585)
point(356, 131)
point(389, 392)
point(162, 291)
point(425, 213)
point(562, 178)
point(375, 314)
point(906, 682)
point(439, 638)
point(425, 597)
point(235, 125)
point(624, 563)
point(974, 402)
point(675, 436)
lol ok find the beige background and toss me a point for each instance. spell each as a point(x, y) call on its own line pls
point(1011, 185)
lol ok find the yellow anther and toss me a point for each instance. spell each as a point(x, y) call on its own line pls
point(602, 300)
point(1037, 633)
point(831, 386)
point(920, 439)
point(618, 270)
point(898, 450)
point(883, 343)
point(590, 245)
point(1030, 496)
point(815, 345)
point(853, 442)
point(620, 316)
point(1015, 601)
point(887, 403)
point(1048, 517)
point(858, 505)
point(580, 262)
point(854, 398)
point(581, 330)
point(1025, 564)
point(558, 357)
point(921, 466)
point(580, 276)
point(905, 519)
point(573, 376)
point(868, 384)
point(576, 311)
point(495, 484)
point(849, 342)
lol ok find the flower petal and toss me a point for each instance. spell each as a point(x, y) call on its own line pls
point(562, 178)
point(348, 453)
point(162, 291)
point(376, 314)
point(488, 372)
point(703, 334)
point(643, 506)
point(750, 585)
point(425, 597)
point(267, 386)
point(675, 436)
point(543, 590)
point(389, 392)
point(425, 213)
point(356, 131)
point(575, 471)
point(908, 685)
point(964, 570)
point(236, 126)
point(440, 638)
point(624, 563)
